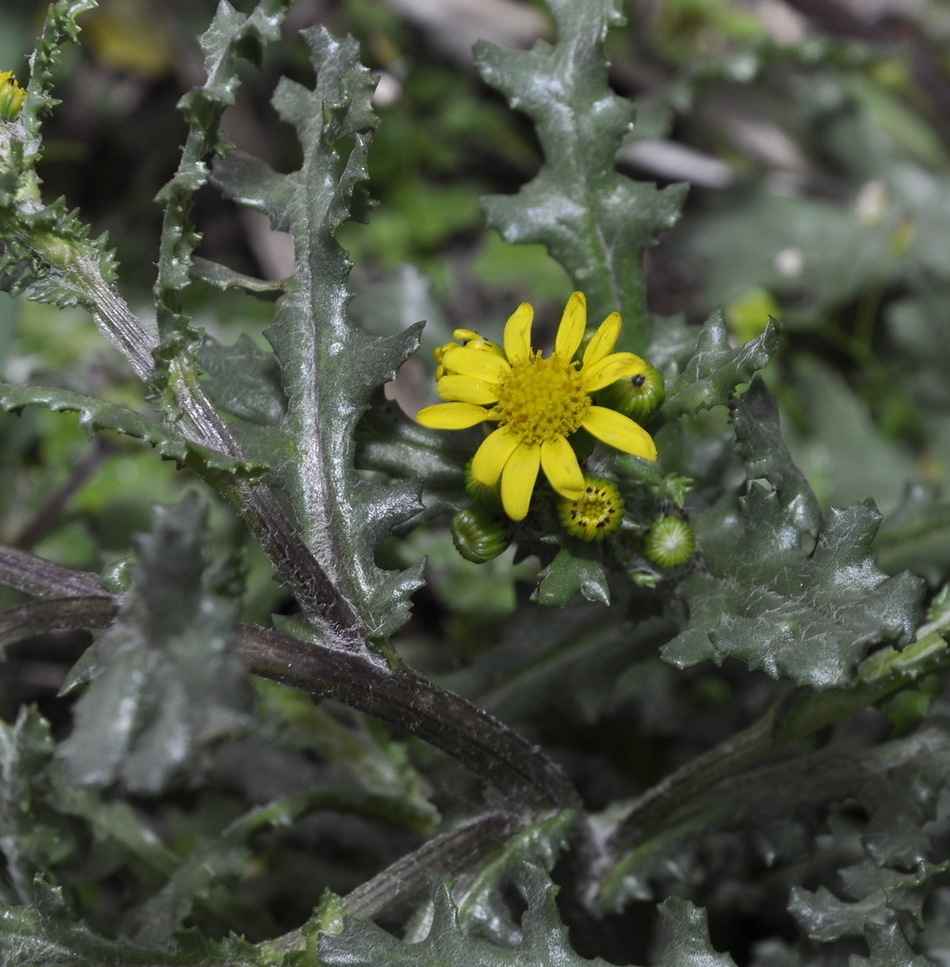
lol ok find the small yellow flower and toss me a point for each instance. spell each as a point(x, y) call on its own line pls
point(12, 96)
point(537, 401)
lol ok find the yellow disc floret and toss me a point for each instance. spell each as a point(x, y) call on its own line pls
point(538, 402)
point(542, 399)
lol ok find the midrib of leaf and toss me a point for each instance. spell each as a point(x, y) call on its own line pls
point(330, 368)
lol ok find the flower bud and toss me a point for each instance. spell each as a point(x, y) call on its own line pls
point(12, 96)
point(480, 534)
point(670, 542)
point(636, 397)
point(596, 513)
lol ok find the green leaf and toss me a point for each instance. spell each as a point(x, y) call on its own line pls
point(390, 441)
point(879, 897)
point(888, 947)
point(32, 837)
point(227, 856)
point(167, 683)
point(231, 36)
point(46, 934)
point(330, 368)
point(45, 250)
point(687, 937)
point(717, 368)
point(594, 221)
point(543, 938)
point(243, 380)
point(96, 414)
point(774, 593)
point(484, 900)
point(575, 569)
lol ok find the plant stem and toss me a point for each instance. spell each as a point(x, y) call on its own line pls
point(407, 700)
point(797, 715)
point(40, 578)
point(398, 696)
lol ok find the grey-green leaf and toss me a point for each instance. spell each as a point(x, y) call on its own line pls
point(167, 682)
point(717, 367)
point(575, 569)
point(544, 939)
point(46, 934)
point(594, 221)
point(772, 592)
point(330, 368)
point(96, 414)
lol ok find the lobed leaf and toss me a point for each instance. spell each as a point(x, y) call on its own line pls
point(166, 682)
point(46, 934)
point(231, 36)
point(330, 368)
point(243, 380)
point(543, 938)
point(717, 367)
point(775, 592)
point(96, 414)
point(594, 221)
point(577, 568)
point(31, 837)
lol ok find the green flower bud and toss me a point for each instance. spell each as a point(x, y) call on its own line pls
point(489, 497)
point(669, 542)
point(637, 397)
point(480, 534)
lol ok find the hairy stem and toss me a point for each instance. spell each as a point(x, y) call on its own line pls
point(409, 701)
point(400, 697)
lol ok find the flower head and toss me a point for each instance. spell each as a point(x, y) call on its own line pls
point(594, 515)
point(670, 542)
point(538, 402)
point(12, 96)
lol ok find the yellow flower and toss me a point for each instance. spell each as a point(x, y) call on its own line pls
point(12, 96)
point(537, 401)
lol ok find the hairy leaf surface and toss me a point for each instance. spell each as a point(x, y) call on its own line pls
point(594, 221)
point(330, 369)
point(543, 938)
point(166, 682)
point(777, 593)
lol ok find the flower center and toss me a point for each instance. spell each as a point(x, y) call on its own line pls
point(542, 399)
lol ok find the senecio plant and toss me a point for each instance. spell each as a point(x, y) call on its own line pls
point(701, 738)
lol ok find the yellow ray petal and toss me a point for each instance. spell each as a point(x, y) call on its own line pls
point(560, 466)
point(452, 416)
point(609, 370)
point(619, 431)
point(490, 458)
point(518, 333)
point(603, 341)
point(467, 389)
point(518, 480)
point(480, 363)
point(573, 323)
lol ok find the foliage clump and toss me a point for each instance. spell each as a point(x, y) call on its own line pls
point(260, 754)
